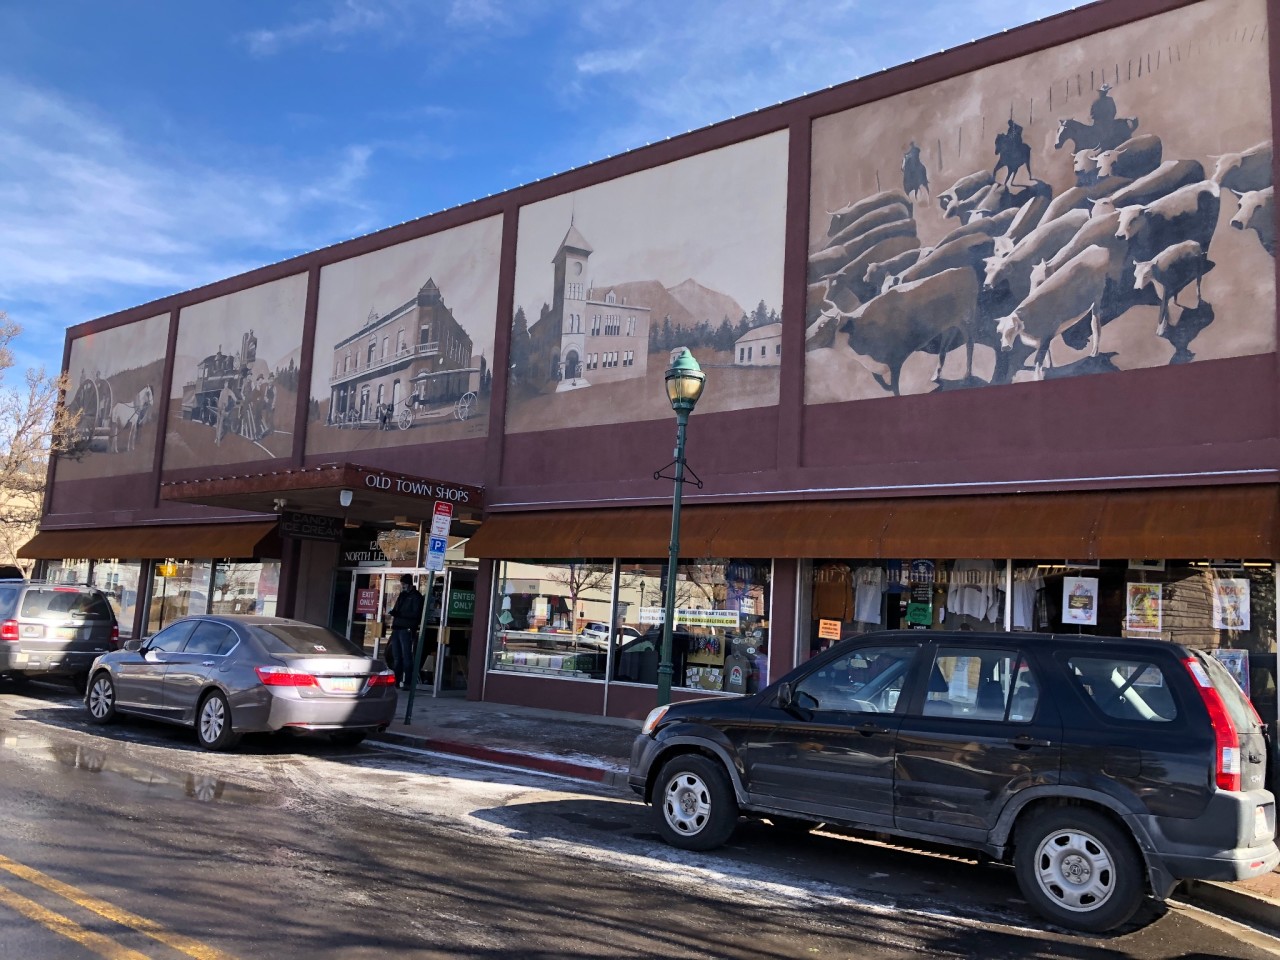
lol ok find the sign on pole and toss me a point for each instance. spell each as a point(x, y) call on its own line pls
point(438, 542)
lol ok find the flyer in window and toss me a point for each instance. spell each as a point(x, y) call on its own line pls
point(1080, 601)
point(1231, 604)
point(1143, 609)
point(1237, 664)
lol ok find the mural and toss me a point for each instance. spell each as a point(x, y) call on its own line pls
point(404, 343)
point(611, 279)
point(235, 376)
point(1100, 206)
point(115, 377)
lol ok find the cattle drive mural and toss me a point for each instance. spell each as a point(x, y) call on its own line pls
point(235, 377)
point(612, 278)
point(1120, 217)
point(404, 343)
point(114, 378)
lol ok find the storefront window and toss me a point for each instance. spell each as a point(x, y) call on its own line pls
point(118, 579)
point(184, 593)
point(562, 618)
point(851, 597)
point(551, 618)
point(245, 587)
point(67, 571)
point(721, 635)
point(1226, 607)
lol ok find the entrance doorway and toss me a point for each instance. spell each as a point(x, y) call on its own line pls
point(362, 601)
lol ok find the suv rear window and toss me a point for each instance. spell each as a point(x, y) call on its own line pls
point(303, 638)
point(42, 602)
point(1125, 688)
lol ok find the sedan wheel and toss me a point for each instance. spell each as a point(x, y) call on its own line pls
point(213, 723)
point(101, 699)
point(695, 803)
point(1078, 869)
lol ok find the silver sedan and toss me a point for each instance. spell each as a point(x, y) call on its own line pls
point(230, 675)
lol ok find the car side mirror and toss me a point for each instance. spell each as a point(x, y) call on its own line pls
point(786, 696)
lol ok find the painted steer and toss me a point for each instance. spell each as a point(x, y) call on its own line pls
point(885, 331)
point(1176, 268)
point(1055, 305)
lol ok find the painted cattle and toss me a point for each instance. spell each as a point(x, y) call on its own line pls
point(1134, 158)
point(904, 320)
point(1244, 171)
point(1190, 213)
point(1172, 271)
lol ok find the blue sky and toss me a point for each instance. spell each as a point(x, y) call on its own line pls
point(149, 147)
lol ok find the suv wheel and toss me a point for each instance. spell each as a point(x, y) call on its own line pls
point(695, 803)
point(1078, 869)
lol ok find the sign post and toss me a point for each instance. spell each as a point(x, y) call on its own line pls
point(437, 544)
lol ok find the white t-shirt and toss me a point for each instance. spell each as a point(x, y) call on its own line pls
point(974, 591)
point(868, 585)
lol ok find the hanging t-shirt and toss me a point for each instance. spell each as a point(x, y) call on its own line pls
point(973, 591)
point(869, 583)
point(1024, 602)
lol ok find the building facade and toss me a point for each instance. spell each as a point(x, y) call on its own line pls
point(1024, 377)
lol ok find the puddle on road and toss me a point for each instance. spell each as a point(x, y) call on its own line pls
point(129, 775)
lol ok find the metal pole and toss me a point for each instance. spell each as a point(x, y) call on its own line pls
point(417, 649)
point(665, 668)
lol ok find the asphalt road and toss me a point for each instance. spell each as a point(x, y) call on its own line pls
point(129, 842)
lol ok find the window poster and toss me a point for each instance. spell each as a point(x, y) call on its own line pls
point(1080, 601)
point(1143, 607)
point(1231, 604)
point(1237, 664)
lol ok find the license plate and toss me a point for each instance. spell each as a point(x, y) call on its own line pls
point(341, 684)
point(32, 630)
point(1261, 824)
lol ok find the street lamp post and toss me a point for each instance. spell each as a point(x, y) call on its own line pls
point(685, 380)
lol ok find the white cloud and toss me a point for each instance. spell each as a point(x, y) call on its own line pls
point(92, 218)
point(347, 19)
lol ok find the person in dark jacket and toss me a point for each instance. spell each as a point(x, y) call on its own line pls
point(406, 617)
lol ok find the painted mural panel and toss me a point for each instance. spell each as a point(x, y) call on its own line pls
point(404, 343)
point(115, 377)
point(612, 278)
point(235, 376)
point(1099, 206)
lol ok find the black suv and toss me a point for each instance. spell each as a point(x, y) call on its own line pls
point(53, 629)
point(1103, 769)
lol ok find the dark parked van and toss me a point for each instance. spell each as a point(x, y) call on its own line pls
point(53, 629)
point(1103, 769)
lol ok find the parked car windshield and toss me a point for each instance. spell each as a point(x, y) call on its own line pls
point(64, 601)
point(303, 638)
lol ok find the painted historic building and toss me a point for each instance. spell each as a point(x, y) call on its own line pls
point(418, 350)
point(990, 342)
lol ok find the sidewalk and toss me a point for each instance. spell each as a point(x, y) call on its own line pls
point(597, 750)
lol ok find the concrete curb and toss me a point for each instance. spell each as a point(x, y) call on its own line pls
point(606, 776)
point(1231, 900)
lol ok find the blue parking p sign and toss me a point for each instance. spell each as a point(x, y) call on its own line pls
point(436, 546)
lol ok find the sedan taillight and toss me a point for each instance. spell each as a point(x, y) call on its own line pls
point(284, 677)
point(386, 678)
point(9, 630)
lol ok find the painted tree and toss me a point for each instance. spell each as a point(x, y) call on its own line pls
point(33, 427)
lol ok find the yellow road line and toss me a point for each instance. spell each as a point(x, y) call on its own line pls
point(192, 948)
point(102, 946)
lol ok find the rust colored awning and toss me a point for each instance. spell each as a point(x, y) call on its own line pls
point(242, 540)
point(1185, 523)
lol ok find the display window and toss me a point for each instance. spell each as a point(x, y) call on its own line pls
point(599, 619)
point(850, 597)
point(245, 586)
point(178, 589)
point(66, 571)
point(119, 580)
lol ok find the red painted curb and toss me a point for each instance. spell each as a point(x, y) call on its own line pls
point(510, 758)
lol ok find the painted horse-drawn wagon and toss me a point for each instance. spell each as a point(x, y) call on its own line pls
point(91, 406)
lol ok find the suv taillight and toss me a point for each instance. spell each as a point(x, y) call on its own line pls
point(1226, 738)
point(9, 630)
point(115, 636)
